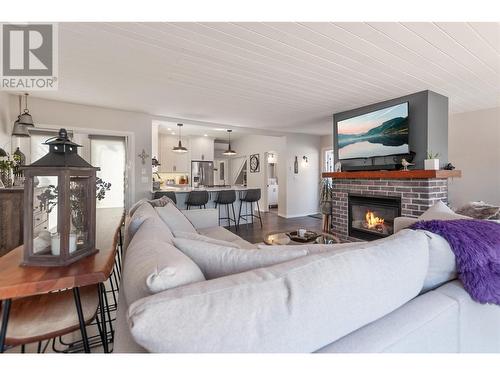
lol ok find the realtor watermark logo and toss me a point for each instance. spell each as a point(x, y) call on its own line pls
point(29, 57)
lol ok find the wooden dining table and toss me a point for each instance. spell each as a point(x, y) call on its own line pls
point(18, 281)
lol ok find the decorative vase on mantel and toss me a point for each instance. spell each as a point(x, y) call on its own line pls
point(431, 164)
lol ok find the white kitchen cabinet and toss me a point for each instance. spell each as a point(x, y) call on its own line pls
point(172, 161)
point(201, 148)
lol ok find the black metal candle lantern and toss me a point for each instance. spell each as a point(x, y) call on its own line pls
point(60, 206)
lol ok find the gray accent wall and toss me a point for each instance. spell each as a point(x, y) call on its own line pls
point(428, 126)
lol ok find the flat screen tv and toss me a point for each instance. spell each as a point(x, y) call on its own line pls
point(382, 132)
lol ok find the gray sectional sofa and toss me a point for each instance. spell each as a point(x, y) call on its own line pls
point(392, 295)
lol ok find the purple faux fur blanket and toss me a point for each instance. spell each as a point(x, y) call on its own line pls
point(476, 245)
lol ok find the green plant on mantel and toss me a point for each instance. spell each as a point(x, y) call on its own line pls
point(430, 155)
point(326, 195)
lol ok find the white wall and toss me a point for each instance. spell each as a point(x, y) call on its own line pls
point(326, 142)
point(474, 148)
point(136, 126)
point(260, 144)
point(302, 189)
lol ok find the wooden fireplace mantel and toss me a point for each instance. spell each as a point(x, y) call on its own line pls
point(394, 175)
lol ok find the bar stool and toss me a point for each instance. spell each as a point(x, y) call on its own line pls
point(251, 196)
point(197, 199)
point(168, 194)
point(47, 316)
point(226, 198)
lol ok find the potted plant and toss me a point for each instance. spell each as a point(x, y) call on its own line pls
point(326, 201)
point(432, 161)
point(8, 166)
point(48, 200)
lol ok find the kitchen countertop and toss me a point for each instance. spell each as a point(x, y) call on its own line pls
point(187, 189)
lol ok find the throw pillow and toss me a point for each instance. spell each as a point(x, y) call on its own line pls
point(480, 210)
point(161, 202)
point(136, 205)
point(217, 261)
point(440, 211)
point(153, 266)
point(175, 219)
point(141, 213)
point(442, 263)
point(199, 237)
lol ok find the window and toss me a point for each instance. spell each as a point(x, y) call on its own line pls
point(109, 154)
point(328, 165)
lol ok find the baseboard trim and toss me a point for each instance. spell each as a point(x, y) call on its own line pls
point(299, 215)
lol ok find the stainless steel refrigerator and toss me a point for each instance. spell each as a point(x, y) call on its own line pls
point(202, 173)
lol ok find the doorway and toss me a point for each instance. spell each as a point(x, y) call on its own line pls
point(109, 154)
point(272, 183)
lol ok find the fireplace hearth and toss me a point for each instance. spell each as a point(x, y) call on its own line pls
point(372, 217)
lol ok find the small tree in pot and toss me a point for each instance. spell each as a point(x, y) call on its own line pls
point(326, 201)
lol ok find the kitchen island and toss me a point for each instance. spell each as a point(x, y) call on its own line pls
point(181, 194)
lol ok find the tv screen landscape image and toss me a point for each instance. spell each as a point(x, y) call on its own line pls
point(379, 133)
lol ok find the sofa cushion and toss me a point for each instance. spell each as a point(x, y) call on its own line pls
point(298, 306)
point(174, 219)
point(440, 211)
point(154, 228)
point(141, 214)
point(202, 238)
point(221, 233)
point(442, 262)
point(217, 261)
point(152, 266)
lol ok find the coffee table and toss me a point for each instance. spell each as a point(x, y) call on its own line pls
point(281, 238)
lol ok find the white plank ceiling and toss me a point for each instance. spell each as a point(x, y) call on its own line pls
point(280, 76)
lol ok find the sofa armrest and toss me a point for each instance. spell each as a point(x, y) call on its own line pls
point(403, 222)
point(202, 218)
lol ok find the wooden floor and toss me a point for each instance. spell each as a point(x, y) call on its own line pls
point(271, 222)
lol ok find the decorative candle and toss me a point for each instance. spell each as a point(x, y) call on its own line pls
point(56, 243)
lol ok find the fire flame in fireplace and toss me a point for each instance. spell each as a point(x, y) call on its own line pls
point(373, 221)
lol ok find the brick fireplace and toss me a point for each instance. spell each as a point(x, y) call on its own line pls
point(383, 193)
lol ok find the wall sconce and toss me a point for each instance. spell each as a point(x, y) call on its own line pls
point(305, 159)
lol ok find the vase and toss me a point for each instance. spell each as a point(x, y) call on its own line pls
point(431, 164)
point(6, 178)
point(326, 223)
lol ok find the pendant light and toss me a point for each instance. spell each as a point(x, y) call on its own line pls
point(26, 119)
point(19, 129)
point(179, 148)
point(229, 151)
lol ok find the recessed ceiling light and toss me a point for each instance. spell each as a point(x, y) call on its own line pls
point(173, 133)
point(220, 129)
point(169, 129)
point(206, 135)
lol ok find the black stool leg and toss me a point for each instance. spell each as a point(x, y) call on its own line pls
point(104, 333)
point(81, 319)
point(5, 320)
point(239, 214)
point(251, 210)
point(228, 216)
point(234, 217)
point(258, 210)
